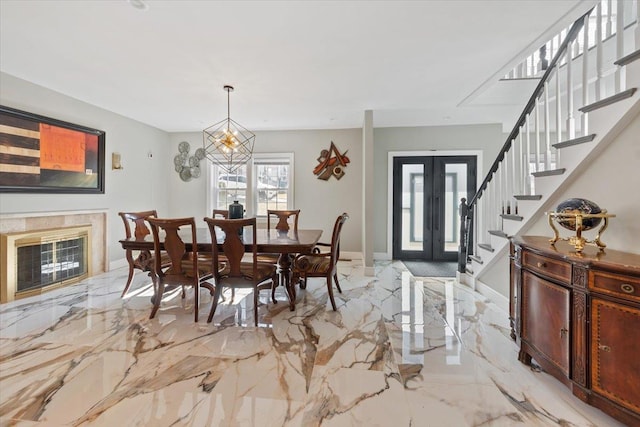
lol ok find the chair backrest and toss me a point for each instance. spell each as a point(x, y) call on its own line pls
point(220, 213)
point(284, 217)
point(232, 234)
point(139, 221)
point(174, 247)
point(335, 237)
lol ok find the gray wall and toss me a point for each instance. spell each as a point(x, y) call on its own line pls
point(140, 185)
point(320, 201)
point(485, 138)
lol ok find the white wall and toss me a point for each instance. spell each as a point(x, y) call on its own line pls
point(612, 181)
point(320, 201)
point(486, 138)
point(141, 185)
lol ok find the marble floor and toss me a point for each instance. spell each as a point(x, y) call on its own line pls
point(400, 351)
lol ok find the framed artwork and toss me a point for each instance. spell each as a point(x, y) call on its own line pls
point(43, 155)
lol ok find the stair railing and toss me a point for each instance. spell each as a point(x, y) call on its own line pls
point(508, 182)
point(531, 149)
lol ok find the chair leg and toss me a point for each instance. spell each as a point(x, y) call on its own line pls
point(274, 284)
point(255, 304)
point(129, 279)
point(196, 300)
point(214, 303)
point(330, 288)
point(335, 279)
point(156, 299)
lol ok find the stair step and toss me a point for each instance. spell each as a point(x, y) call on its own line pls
point(486, 247)
point(528, 197)
point(549, 172)
point(468, 270)
point(575, 141)
point(499, 233)
point(476, 259)
point(512, 217)
point(629, 58)
point(609, 100)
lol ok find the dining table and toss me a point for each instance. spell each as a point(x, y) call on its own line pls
point(284, 243)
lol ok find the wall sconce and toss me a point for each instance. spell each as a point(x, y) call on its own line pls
point(116, 161)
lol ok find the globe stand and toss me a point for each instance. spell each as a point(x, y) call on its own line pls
point(578, 241)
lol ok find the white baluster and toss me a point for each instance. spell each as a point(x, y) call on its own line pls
point(600, 91)
point(609, 27)
point(537, 131)
point(585, 76)
point(637, 32)
point(522, 173)
point(512, 181)
point(571, 123)
point(558, 114)
point(527, 159)
point(620, 76)
point(547, 130)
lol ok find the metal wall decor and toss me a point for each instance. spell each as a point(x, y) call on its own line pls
point(188, 167)
point(227, 143)
point(331, 163)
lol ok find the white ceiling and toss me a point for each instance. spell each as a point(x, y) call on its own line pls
point(294, 64)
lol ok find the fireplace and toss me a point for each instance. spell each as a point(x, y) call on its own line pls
point(40, 260)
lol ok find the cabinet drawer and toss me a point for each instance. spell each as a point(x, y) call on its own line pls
point(547, 266)
point(619, 285)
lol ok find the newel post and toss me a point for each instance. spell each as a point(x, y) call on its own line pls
point(462, 248)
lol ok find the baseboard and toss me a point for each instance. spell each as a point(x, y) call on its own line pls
point(381, 256)
point(351, 256)
point(496, 297)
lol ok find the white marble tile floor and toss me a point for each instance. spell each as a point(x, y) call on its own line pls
point(400, 351)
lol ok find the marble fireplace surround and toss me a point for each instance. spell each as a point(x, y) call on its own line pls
point(31, 221)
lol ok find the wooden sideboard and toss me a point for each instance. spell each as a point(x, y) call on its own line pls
point(578, 317)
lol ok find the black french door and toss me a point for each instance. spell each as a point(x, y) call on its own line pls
point(426, 195)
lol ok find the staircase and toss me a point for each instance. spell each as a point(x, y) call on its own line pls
point(586, 94)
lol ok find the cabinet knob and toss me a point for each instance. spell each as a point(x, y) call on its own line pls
point(627, 288)
point(604, 348)
point(563, 332)
point(541, 265)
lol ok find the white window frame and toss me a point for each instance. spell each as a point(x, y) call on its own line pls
point(252, 196)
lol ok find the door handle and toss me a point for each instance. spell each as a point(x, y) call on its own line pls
point(437, 214)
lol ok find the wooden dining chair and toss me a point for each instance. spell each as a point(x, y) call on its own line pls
point(285, 219)
point(220, 213)
point(142, 260)
point(322, 264)
point(282, 220)
point(236, 270)
point(186, 268)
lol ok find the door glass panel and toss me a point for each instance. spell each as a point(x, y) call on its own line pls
point(455, 188)
point(412, 207)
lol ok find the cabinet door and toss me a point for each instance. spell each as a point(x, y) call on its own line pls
point(615, 362)
point(545, 319)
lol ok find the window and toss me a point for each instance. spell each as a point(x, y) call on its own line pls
point(263, 183)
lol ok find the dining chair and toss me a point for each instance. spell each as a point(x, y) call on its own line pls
point(220, 213)
point(236, 270)
point(144, 259)
point(319, 264)
point(186, 268)
point(283, 220)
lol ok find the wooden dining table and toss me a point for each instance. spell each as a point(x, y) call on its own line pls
point(268, 241)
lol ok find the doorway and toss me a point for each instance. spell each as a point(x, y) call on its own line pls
point(426, 195)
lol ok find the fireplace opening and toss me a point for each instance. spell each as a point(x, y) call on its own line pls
point(40, 260)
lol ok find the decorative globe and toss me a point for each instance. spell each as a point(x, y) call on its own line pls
point(575, 206)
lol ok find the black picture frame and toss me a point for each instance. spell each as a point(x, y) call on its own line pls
point(40, 154)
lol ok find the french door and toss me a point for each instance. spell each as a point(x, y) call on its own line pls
point(426, 195)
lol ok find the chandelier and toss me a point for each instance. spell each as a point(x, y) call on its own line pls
point(227, 143)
